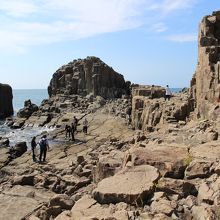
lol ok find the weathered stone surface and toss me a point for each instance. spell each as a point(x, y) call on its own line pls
point(6, 106)
point(146, 91)
point(132, 186)
point(173, 186)
point(63, 201)
point(198, 169)
point(207, 152)
point(205, 87)
point(19, 201)
point(151, 112)
point(24, 180)
point(205, 212)
point(85, 76)
point(107, 166)
point(88, 208)
point(163, 206)
point(209, 191)
point(167, 158)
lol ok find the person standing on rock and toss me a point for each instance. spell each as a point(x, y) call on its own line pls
point(152, 92)
point(75, 123)
point(44, 146)
point(168, 93)
point(85, 126)
point(72, 132)
point(33, 148)
point(68, 131)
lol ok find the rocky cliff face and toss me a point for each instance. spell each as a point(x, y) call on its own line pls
point(205, 85)
point(85, 76)
point(148, 113)
point(6, 107)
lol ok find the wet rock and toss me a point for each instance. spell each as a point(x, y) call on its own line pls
point(4, 142)
point(20, 148)
point(18, 123)
point(28, 110)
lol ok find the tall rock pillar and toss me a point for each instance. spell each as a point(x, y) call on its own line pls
point(6, 106)
point(205, 85)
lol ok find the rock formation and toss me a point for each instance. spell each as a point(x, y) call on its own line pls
point(148, 112)
point(6, 106)
point(28, 110)
point(205, 84)
point(85, 76)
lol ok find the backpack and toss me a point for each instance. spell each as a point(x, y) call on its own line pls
point(43, 143)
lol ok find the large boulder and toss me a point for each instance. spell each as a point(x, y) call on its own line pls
point(6, 96)
point(133, 186)
point(28, 110)
point(205, 87)
point(168, 159)
point(88, 76)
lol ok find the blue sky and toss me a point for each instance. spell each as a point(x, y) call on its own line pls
point(148, 41)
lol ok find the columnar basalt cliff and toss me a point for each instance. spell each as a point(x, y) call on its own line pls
point(149, 112)
point(88, 76)
point(205, 84)
point(6, 107)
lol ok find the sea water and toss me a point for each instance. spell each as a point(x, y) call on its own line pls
point(19, 96)
point(35, 95)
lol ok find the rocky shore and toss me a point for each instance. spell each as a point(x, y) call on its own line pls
point(143, 158)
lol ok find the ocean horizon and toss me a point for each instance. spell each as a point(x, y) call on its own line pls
point(35, 95)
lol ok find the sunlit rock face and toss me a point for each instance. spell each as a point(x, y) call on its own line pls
point(6, 106)
point(87, 76)
point(205, 84)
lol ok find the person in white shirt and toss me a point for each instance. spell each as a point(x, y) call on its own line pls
point(168, 93)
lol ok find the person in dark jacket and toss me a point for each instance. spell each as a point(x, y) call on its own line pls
point(44, 146)
point(33, 147)
point(68, 131)
point(75, 123)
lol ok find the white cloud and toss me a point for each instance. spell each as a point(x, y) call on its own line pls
point(36, 22)
point(18, 8)
point(168, 6)
point(181, 38)
point(159, 27)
